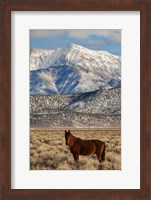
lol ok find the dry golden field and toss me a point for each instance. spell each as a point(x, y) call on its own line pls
point(48, 150)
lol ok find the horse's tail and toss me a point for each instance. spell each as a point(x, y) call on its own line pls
point(103, 154)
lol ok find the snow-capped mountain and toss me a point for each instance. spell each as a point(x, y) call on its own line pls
point(72, 69)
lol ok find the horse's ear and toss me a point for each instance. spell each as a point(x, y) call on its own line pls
point(65, 131)
point(69, 131)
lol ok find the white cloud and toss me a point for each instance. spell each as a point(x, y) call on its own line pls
point(50, 34)
point(108, 34)
point(112, 35)
point(96, 42)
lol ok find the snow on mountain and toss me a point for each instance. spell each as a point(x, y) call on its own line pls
point(72, 69)
point(92, 109)
point(39, 58)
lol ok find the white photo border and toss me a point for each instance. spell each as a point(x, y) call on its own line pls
point(21, 176)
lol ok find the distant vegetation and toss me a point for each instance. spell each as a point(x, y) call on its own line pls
point(49, 152)
point(92, 109)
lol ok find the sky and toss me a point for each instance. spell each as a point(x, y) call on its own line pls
point(101, 39)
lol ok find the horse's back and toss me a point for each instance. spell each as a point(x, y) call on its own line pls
point(99, 142)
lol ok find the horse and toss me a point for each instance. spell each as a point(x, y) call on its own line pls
point(79, 146)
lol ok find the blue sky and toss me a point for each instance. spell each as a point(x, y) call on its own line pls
point(101, 39)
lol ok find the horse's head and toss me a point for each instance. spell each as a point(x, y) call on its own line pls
point(68, 137)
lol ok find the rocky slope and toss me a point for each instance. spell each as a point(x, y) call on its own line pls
point(100, 108)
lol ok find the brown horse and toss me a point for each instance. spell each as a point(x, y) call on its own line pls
point(84, 147)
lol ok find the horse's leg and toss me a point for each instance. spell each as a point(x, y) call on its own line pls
point(76, 157)
point(99, 153)
point(99, 156)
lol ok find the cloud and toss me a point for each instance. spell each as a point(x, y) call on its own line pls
point(97, 42)
point(112, 35)
point(49, 34)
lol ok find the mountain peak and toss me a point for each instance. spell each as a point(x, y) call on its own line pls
point(70, 45)
point(73, 69)
point(73, 46)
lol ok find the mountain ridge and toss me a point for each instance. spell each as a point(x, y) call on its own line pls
point(63, 51)
point(72, 69)
point(101, 108)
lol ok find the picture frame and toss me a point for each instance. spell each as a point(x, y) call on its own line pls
point(145, 98)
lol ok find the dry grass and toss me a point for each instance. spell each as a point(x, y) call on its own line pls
point(49, 152)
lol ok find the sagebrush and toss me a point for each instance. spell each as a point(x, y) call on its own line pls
point(49, 152)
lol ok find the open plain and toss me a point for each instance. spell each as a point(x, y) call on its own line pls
point(48, 150)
